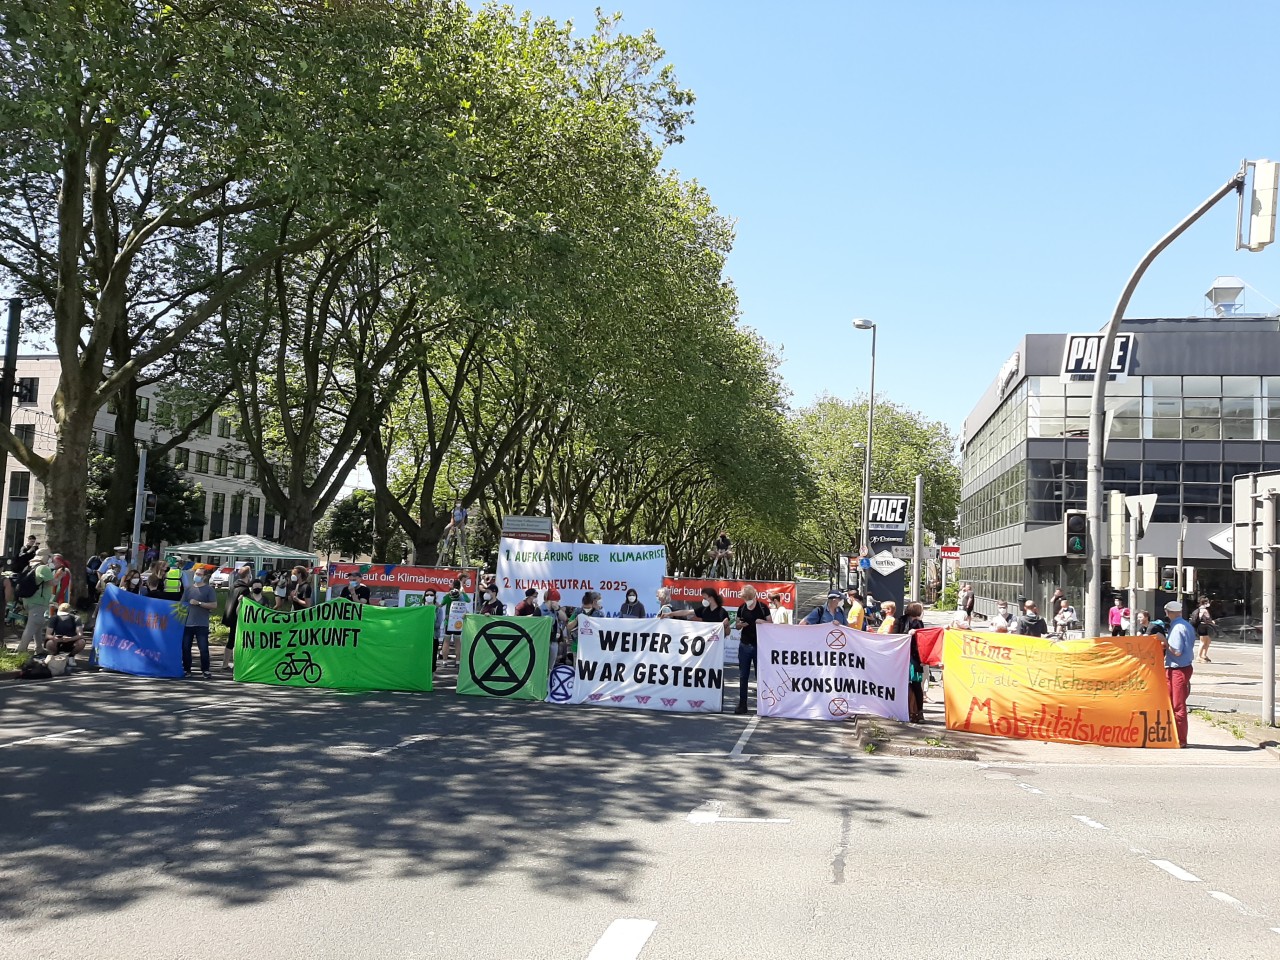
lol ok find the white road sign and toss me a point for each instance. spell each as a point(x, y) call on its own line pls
point(885, 563)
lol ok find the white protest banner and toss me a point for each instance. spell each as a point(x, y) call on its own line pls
point(458, 611)
point(829, 672)
point(575, 568)
point(652, 664)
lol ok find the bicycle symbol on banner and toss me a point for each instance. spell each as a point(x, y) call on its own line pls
point(299, 665)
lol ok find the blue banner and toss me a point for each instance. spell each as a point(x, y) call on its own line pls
point(139, 635)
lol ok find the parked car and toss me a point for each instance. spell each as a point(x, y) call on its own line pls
point(221, 578)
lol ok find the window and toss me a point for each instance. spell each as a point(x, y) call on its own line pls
point(144, 409)
point(26, 432)
point(202, 462)
point(164, 413)
point(15, 532)
point(206, 426)
point(269, 524)
point(242, 469)
point(220, 466)
point(19, 485)
point(255, 508)
point(216, 517)
point(109, 444)
point(253, 472)
point(224, 428)
point(112, 406)
point(237, 514)
point(28, 390)
point(181, 458)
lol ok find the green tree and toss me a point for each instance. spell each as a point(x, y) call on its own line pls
point(179, 503)
point(347, 526)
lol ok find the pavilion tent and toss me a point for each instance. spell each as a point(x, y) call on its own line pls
point(242, 547)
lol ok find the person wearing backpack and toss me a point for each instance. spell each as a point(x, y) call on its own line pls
point(35, 592)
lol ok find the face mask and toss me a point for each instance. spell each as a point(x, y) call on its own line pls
point(488, 596)
point(631, 598)
point(751, 604)
point(429, 601)
point(706, 602)
point(293, 579)
point(199, 580)
point(257, 589)
point(65, 616)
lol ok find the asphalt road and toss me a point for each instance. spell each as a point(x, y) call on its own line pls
point(192, 819)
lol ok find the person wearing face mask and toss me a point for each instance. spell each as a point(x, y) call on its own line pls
point(712, 609)
point(551, 608)
point(244, 586)
point(632, 608)
point(452, 641)
point(590, 608)
point(63, 634)
point(751, 611)
point(200, 599)
point(491, 605)
point(133, 580)
point(830, 612)
point(355, 591)
point(299, 589)
point(529, 606)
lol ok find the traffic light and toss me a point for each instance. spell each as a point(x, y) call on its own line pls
point(1169, 579)
point(1075, 533)
point(149, 506)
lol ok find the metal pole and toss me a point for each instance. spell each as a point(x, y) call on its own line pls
point(1135, 521)
point(1269, 610)
point(866, 461)
point(917, 538)
point(138, 506)
point(1182, 542)
point(1097, 415)
point(8, 386)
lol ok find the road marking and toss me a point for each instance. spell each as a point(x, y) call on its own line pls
point(403, 743)
point(709, 812)
point(1232, 902)
point(623, 940)
point(204, 706)
point(736, 752)
point(47, 736)
point(1088, 822)
point(1030, 789)
point(1174, 870)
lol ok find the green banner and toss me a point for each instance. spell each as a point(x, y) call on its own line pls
point(337, 644)
point(508, 657)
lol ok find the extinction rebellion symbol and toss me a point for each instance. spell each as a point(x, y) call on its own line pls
point(835, 640)
point(512, 650)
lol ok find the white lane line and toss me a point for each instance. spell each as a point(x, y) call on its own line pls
point(204, 706)
point(1030, 789)
point(736, 752)
point(1174, 870)
point(1232, 902)
point(47, 736)
point(709, 812)
point(401, 745)
point(623, 940)
point(1088, 822)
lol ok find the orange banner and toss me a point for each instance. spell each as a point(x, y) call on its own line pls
point(1109, 690)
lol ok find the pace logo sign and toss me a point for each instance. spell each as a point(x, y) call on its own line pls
point(888, 511)
point(1080, 357)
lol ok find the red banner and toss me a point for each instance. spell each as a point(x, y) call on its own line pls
point(929, 643)
point(397, 585)
point(775, 592)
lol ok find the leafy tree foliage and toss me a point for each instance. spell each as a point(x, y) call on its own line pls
point(179, 503)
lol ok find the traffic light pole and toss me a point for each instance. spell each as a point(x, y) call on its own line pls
point(1097, 410)
point(137, 506)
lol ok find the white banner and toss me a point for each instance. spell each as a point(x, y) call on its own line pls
point(653, 664)
point(575, 568)
point(829, 672)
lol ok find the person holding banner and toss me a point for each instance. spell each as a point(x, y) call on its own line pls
point(712, 609)
point(857, 611)
point(830, 612)
point(632, 608)
point(750, 612)
point(911, 622)
point(1179, 648)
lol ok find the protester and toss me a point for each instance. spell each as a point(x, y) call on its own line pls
point(491, 606)
point(299, 588)
point(966, 604)
point(856, 612)
point(116, 564)
point(590, 608)
point(721, 554)
point(200, 598)
point(830, 612)
point(26, 555)
point(1204, 625)
point(889, 608)
point(153, 583)
point(1148, 626)
point(666, 607)
point(911, 622)
point(1003, 621)
point(1031, 624)
point(91, 569)
point(174, 583)
point(1114, 617)
point(750, 612)
point(529, 607)
point(1179, 648)
point(551, 608)
point(455, 532)
point(632, 607)
point(36, 605)
point(63, 634)
point(452, 645)
point(781, 615)
point(245, 586)
point(1064, 617)
point(355, 590)
point(712, 609)
point(61, 583)
point(133, 580)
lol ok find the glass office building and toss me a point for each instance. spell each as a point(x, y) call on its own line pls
point(1199, 404)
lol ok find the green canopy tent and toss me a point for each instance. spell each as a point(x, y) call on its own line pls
point(244, 547)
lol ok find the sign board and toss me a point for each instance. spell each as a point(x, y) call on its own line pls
point(527, 528)
point(1080, 357)
point(903, 552)
point(889, 511)
point(1246, 519)
point(885, 563)
point(1224, 540)
point(950, 552)
point(1141, 507)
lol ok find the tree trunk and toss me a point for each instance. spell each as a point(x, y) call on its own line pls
point(117, 519)
point(67, 523)
point(381, 530)
point(299, 522)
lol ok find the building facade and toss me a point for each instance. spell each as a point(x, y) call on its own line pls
point(1197, 402)
point(213, 458)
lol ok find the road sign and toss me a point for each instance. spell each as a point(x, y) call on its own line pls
point(1141, 507)
point(1246, 519)
point(903, 552)
point(950, 552)
point(527, 528)
point(885, 563)
point(1224, 540)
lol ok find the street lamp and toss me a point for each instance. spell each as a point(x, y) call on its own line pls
point(861, 323)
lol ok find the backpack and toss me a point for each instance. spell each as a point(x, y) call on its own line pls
point(25, 585)
point(33, 669)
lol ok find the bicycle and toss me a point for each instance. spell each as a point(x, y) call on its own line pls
point(299, 665)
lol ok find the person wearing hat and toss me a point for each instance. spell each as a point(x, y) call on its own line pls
point(116, 564)
point(830, 612)
point(1179, 649)
point(63, 633)
point(37, 608)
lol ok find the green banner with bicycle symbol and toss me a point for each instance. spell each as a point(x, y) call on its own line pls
point(337, 644)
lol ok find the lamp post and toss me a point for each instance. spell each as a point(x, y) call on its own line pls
point(861, 323)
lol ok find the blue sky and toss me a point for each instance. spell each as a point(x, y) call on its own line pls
point(962, 173)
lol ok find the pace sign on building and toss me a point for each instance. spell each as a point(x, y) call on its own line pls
point(1080, 354)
